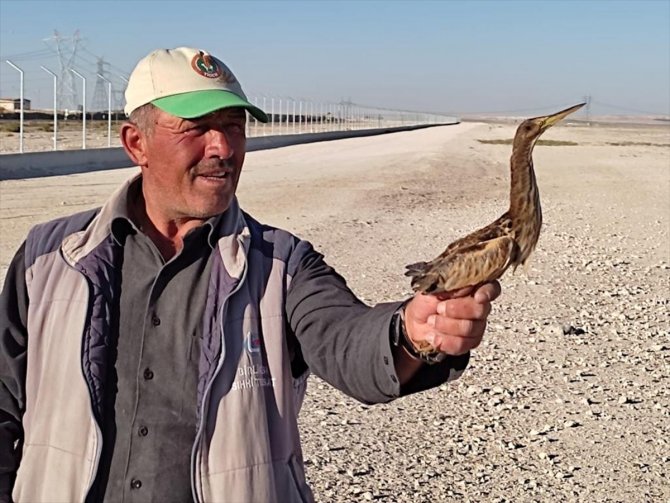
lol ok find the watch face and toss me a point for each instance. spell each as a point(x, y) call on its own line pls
point(399, 337)
point(435, 357)
point(396, 330)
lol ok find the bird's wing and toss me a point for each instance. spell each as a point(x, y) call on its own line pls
point(469, 265)
point(500, 227)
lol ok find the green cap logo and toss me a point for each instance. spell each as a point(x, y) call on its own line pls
point(206, 66)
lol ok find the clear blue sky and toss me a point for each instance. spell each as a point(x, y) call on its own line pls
point(447, 56)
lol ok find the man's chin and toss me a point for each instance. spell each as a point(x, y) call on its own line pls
point(209, 211)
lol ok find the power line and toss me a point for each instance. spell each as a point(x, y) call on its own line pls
point(111, 66)
point(520, 111)
point(628, 109)
point(27, 56)
point(66, 49)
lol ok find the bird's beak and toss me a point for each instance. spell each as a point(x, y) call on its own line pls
point(550, 120)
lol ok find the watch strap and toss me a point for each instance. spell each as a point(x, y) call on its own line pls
point(400, 339)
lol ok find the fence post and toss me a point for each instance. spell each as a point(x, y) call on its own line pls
point(21, 99)
point(83, 108)
point(55, 105)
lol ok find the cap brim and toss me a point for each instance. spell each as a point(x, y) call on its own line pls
point(198, 103)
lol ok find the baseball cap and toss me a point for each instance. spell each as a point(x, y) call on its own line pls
point(187, 83)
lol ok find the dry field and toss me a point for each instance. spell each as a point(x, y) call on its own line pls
point(38, 134)
point(568, 398)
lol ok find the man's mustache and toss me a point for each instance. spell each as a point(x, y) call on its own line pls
point(213, 167)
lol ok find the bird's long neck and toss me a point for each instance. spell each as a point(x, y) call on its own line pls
point(524, 210)
point(524, 195)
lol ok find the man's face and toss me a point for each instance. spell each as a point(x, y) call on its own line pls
point(193, 165)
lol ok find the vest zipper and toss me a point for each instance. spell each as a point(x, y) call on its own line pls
point(98, 430)
point(205, 395)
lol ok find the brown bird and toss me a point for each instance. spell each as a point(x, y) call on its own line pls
point(485, 254)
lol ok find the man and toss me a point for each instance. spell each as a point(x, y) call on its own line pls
point(157, 349)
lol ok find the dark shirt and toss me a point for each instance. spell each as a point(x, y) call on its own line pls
point(149, 424)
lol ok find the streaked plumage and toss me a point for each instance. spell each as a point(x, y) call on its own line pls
point(485, 254)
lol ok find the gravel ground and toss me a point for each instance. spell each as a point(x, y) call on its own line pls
point(567, 398)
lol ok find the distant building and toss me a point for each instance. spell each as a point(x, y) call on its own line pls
point(14, 104)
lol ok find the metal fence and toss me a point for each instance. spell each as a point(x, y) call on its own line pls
point(290, 116)
point(56, 129)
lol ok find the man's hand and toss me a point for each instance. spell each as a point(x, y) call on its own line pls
point(452, 324)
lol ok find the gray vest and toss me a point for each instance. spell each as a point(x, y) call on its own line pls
point(247, 446)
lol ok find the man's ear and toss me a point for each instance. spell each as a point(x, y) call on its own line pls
point(134, 143)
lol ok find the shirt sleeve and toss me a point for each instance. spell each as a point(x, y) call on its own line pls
point(13, 342)
point(347, 343)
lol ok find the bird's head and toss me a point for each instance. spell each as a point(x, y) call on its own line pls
point(531, 129)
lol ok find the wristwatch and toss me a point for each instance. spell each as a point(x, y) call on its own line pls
point(399, 338)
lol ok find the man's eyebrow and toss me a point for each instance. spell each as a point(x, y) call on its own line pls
point(225, 113)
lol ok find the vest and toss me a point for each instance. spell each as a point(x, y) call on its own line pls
point(247, 446)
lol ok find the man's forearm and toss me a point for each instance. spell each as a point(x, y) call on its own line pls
point(10, 431)
point(13, 341)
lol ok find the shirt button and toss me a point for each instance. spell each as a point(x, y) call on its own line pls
point(155, 320)
point(135, 484)
point(143, 431)
point(148, 374)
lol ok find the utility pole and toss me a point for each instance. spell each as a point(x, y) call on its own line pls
point(99, 102)
point(587, 109)
point(66, 49)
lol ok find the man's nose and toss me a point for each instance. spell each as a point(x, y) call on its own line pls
point(218, 145)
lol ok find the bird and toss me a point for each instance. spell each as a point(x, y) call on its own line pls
point(485, 254)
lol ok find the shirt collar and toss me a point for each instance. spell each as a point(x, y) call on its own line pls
point(122, 225)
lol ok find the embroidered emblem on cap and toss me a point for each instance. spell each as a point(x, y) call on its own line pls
point(206, 66)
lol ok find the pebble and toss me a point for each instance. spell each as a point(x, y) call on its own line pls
point(571, 330)
point(598, 319)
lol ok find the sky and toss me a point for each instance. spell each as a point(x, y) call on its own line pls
point(451, 56)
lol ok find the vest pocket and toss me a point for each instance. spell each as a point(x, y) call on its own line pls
point(280, 481)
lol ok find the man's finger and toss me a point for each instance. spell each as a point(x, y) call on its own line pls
point(450, 327)
point(488, 292)
point(455, 345)
point(465, 308)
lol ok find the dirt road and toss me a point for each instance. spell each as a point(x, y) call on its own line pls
point(567, 399)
